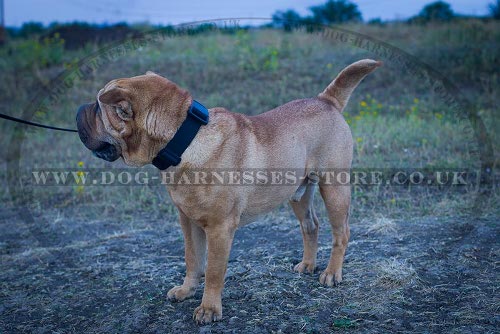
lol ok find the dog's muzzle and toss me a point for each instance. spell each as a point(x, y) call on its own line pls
point(107, 152)
point(86, 122)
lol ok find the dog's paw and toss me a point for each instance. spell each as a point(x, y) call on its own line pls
point(330, 278)
point(207, 314)
point(303, 266)
point(180, 292)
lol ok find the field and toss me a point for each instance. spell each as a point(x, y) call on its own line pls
point(422, 259)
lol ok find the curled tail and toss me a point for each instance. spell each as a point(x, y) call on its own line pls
point(339, 91)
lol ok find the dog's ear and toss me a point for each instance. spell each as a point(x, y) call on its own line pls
point(118, 98)
point(151, 73)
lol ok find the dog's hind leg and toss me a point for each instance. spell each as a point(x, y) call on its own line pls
point(337, 201)
point(309, 226)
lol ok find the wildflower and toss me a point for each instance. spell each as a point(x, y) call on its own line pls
point(329, 65)
point(439, 116)
point(363, 103)
point(415, 100)
point(359, 139)
point(79, 189)
point(39, 113)
point(393, 201)
point(80, 164)
point(80, 177)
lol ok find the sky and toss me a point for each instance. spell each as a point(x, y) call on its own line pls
point(180, 11)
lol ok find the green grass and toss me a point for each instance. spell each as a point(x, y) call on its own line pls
point(419, 257)
point(396, 120)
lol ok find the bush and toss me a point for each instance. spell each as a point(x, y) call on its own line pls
point(336, 11)
point(33, 53)
point(77, 34)
point(287, 19)
point(495, 10)
point(333, 11)
point(438, 11)
point(30, 29)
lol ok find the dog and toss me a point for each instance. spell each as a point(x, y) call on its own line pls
point(135, 118)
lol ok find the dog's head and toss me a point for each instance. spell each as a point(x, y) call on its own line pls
point(133, 118)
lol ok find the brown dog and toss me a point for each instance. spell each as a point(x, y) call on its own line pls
point(136, 117)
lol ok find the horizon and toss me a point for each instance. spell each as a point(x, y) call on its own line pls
point(165, 13)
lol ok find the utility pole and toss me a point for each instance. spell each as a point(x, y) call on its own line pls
point(2, 23)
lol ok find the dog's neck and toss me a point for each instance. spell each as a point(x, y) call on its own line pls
point(196, 117)
point(202, 148)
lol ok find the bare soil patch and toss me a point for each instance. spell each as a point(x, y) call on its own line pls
point(421, 275)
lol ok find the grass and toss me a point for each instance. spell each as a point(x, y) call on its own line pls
point(383, 225)
point(420, 257)
point(395, 120)
point(394, 272)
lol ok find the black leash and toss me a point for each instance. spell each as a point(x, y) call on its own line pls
point(14, 119)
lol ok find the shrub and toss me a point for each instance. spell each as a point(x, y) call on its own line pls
point(286, 19)
point(29, 29)
point(336, 11)
point(495, 10)
point(255, 59)
point(34, 53)
point(77, 34)
point(438, 11)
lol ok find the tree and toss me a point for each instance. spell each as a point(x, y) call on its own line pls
point(29, 29)
point(286, 19)
point(336, 11)
point(436, 11)
point(495, 10)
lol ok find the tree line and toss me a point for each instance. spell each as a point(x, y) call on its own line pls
point(77, 34)
point(345, 11)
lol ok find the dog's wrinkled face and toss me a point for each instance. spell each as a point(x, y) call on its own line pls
point(132, 118)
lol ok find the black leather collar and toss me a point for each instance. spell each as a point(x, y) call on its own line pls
point(170, 155)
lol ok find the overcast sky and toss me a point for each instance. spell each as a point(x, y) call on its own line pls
point(179, 11)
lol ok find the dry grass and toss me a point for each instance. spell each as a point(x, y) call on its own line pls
point(106, 275)
point(396, 273)
point(102, 259)
point(382, 225)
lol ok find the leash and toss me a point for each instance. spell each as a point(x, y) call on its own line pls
point(22, 121)
point(170, 155)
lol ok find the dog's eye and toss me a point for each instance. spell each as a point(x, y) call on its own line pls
point(121, 113)
point(123, 110)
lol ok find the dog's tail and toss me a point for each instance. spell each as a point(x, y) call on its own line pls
point(339, 91)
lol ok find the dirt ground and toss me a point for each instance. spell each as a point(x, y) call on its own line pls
point(108, 276)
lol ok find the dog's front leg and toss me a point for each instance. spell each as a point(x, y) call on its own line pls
point(194, 255)
point(220, 238)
